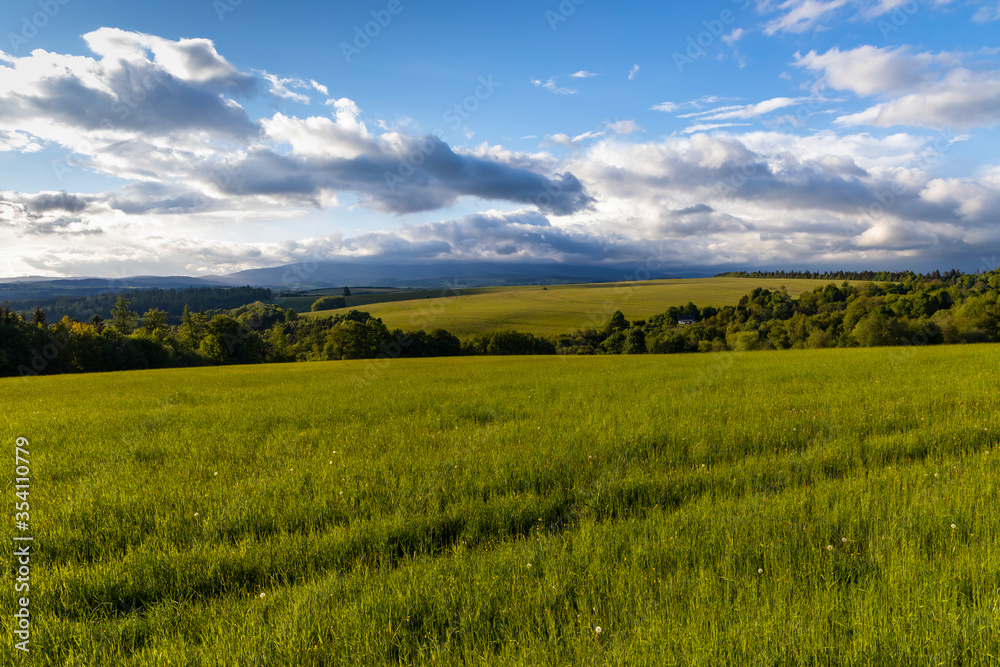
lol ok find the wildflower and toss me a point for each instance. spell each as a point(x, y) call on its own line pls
point(597, 630)
point(529, 566)
point(196, 514)
point(760, 570)
point(262, 596)
point(953, 526)
point(935, 474)
point(829, 547)
point(331, 462)
point(844, 540)
point(215, 474)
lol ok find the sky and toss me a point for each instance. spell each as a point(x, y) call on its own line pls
point(200, 137)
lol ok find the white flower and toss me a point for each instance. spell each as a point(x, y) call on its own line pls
point(529, 566)
point(953, 526)
point(760, 570)
point(262, 596)
point(844, 540)
point(597, 630)
point(829, 547)
point(196, 514)
point(215, 474)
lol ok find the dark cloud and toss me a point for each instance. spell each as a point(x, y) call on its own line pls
point(59, 201)
point(434, 179)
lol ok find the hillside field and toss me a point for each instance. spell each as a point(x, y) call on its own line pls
point(800, 507)
point(560, 309)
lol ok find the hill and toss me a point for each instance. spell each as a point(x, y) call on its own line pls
point(560, 309)
point(801, 507)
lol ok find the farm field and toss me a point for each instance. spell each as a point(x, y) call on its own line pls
point(562, 309)
point(801, 507)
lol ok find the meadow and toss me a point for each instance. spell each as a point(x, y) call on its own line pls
point(555, 309)
point(768, 508)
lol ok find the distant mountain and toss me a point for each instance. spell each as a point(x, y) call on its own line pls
point(462, 274)
point(306, 276)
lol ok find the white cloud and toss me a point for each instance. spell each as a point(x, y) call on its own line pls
point(18, 141)
point(801, 15)
point(708, 127)
point(924, 89)
point(583, 74)
point(623, 127)
point(633, 72)
point(282, 87)
point(870, 70)
point(551, 86)
point(734, 36)
point(798, 16)
point(699, 103)
point(748, 110)
point(987, 13)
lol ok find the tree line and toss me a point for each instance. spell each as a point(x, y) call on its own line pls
point(949, 277)
point(914, 311)
point(171, 301)
point(254, 333)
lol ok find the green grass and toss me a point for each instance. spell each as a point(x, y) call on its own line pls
point(562, 309)
point(363, 297)
point(494, 511)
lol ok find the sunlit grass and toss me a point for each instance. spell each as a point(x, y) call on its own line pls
point(760, 508)
point(563, 309)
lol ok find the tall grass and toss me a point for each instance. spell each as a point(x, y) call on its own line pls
point(792, 508)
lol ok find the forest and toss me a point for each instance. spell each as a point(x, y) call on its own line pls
point(918, 310)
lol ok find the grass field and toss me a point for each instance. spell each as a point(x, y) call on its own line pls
point(802, 507)
point(561, 309)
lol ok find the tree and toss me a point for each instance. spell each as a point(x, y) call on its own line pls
point(329, 303)
point(635, 341)
point(616, 323)
point(122, 318)
point(347, 292)
point(154, 320)
point(38, 316)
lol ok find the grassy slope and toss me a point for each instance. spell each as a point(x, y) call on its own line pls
point(566, 308)
point(495, 511)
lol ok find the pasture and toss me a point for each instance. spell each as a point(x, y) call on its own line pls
point(558, 309)
point(800, 507)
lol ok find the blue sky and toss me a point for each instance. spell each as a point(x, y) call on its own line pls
point(208, 136)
